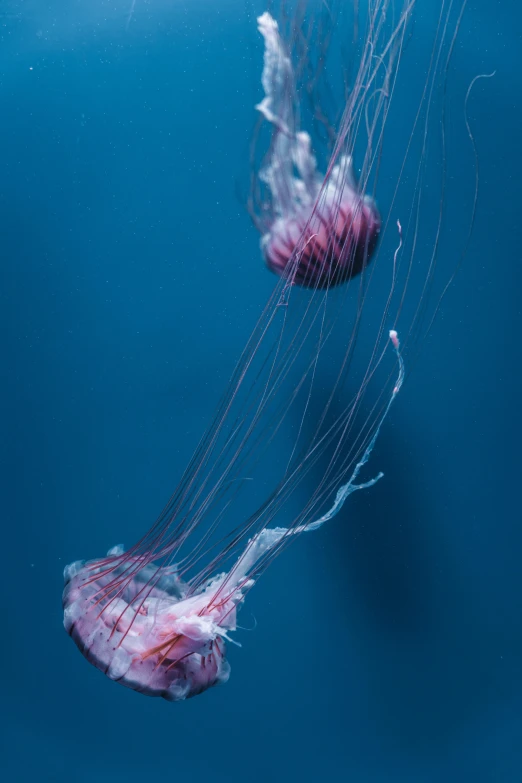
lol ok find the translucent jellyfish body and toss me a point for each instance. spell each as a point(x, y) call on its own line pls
point(139, 627)
point(146, 629)
point(323, 231)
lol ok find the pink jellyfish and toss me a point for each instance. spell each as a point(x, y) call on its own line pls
point(146, 628)
point(306, 401)
point(338, 223)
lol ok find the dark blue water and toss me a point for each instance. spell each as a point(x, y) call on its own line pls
point(388, 646)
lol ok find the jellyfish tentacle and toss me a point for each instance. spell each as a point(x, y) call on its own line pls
point(268, 538)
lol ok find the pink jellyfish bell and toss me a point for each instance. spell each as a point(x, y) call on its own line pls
point(143, 628)
point(323, 230)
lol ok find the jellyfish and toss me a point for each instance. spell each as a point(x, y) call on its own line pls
point(144, 627)
point(340, 225)
point(295, 428)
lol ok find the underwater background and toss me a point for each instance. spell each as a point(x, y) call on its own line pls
point(385, 647)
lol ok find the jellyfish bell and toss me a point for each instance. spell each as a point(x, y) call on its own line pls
point(318, 246)
point(158, 641)
point(144, 627)
point(323, 230)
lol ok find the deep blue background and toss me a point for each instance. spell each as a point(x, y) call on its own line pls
point(388, 647)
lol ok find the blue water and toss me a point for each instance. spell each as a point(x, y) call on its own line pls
point(387, 647)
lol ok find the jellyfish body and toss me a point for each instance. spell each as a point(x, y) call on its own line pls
point(325, 245)
point(322, 230)
point(143, 628)
point(161, 643)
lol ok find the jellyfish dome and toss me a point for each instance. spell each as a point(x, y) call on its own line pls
point(156, 640)
point(324, 230)
point(147, 629)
